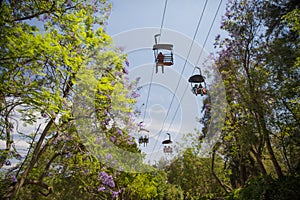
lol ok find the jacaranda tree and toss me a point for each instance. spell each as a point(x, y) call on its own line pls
point(59, 66)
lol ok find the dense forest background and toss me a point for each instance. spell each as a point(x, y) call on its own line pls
point(44, 71)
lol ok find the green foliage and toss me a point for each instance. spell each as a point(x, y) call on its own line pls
point(53, 75)
point(268, 188)
point(192, 175)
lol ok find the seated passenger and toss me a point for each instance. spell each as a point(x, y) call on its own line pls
point(160, 57)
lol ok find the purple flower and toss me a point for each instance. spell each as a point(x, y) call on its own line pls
point(104, 145)
point(105, 112)
point(106, 179)
point(119, 131)
point(101, 189)
point(102, 175)
point(109, 156)
point(115, 194)
point(85, 172)
point(110, 182)
point(131, 142)
point(135, 95)
point(118, 74)
point(127, 63)
point(13, 178)
point(112, 138)
point(98, 140)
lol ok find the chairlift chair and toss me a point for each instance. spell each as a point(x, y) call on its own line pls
point(167, 144)
point(196, 85)
point(163, 54)
point(143, 140)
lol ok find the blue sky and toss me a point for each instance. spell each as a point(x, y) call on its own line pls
point(132, 24)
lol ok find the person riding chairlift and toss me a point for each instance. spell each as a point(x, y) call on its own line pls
point(199, 90)
point(160, 61)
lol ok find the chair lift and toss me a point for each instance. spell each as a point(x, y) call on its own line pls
point(143, 140)
point(163, 54)
point(196, 81)
point(167, 144)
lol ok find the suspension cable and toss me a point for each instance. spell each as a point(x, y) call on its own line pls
point(190, 49)
point(150, 85)
point(204, 44)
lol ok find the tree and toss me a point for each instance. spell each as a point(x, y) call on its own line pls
point(44, 70)
point(257, 62)
point(195, 175)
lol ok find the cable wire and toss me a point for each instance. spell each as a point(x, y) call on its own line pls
point(148, 95)
point(204, 44)
point(161, 27)
point(163, 17)
point(190, 49)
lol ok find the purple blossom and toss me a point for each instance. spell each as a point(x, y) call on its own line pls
point(85, 172)
point(101, 189)
point(115, 194)
point(118, 74)
point(106, 179)
point(115, 161)
point(13, 178)
point(119, 131)
point(207, 106)
point(130, 142)
point(104, 145)
point(135, 95)
point(102, 175)
point(109, 156)
point(105, 112)
point(127, 63)
point(112, 138)
point(98, 140)
point(69, 155)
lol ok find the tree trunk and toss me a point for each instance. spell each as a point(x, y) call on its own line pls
point(13, 192)
point(225, 187)
point(273, 158)
point(259, 162)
